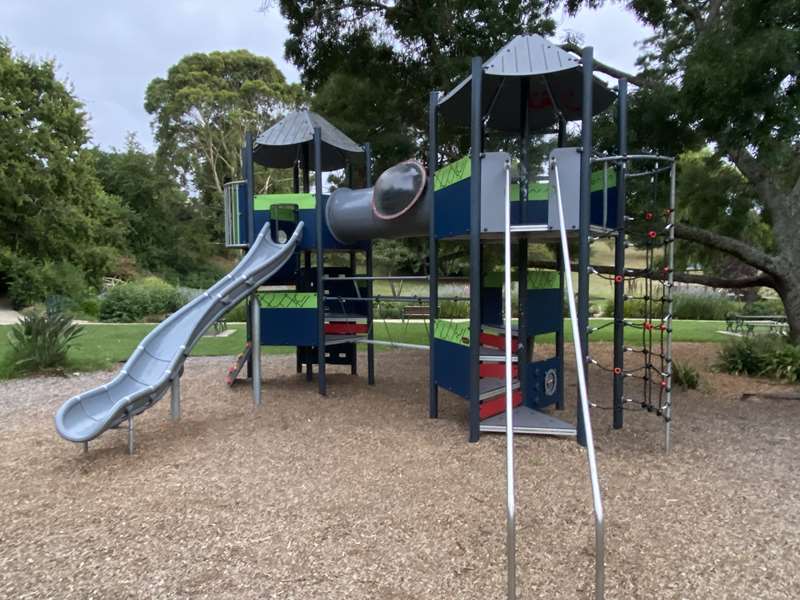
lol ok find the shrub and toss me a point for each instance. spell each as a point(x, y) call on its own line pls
point(30, 281)
point(685, 376)
point(764, 306)
point(135, 301)
point(707, 305)
point(761, 356)
point(41, 339)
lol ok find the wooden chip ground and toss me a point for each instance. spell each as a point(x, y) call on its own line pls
point(360, 495)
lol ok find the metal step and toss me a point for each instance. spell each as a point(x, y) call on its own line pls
point(491, 386)
point(529, 421)
point(493, 355)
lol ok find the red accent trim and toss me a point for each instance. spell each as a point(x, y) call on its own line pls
point(497, 404)
point(497, 341)
point(496, 370)
point(346, 328)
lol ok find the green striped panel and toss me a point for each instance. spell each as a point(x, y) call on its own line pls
point(452, 173)
point(537, 191)
point(287, 299)
point(597, 180)
point(455, 332)
point(265, 201)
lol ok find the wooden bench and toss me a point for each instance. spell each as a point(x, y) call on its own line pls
point(417, 311)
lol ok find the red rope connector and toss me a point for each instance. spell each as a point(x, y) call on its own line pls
point(648, 325)
point(648, 216)
point(617, 371)
point(618, 279)
point(663, 327)
point(652, 234)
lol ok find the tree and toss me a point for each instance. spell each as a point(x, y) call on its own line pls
point(371, 64)
point(54, 210)
point(205, 105)
point(167, 233)
point(723, 74)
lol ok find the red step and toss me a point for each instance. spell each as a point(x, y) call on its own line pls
point(346, 328)
point(498, 341)
point(494, 406)
point(496, 369)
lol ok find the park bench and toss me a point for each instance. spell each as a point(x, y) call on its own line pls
point(749, 324)
point(416, 311)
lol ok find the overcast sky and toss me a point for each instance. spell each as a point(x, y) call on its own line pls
point(111, 50)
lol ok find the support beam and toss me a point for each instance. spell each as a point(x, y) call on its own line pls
point(583, 233)
point(619, 258)
point(433, 254)
point(175, 399)
point(255, 308)
point(476, 142)
point(320, 262)
point(370, 273)
point(524, 351)
point(130, 433)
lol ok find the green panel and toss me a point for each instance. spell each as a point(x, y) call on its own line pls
point(537, 279)
point(452, 173)
point(287, 299)
point(456, 332)
point(265, 201)
point(282, 213)
point(597, 180)
point(537, 191)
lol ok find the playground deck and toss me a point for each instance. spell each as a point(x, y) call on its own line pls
point(360, 495)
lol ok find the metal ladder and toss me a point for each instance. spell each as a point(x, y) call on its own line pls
point(597, 500)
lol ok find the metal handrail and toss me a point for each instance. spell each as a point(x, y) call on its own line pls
point(597, 500)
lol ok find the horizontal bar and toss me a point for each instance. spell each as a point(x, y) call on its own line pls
point(620, 157)
point(393, 298)
point(378, 278)
point(397, 344)
point(646, 173)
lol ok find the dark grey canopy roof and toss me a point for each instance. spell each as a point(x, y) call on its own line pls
point(556, 87)
point(282, 144)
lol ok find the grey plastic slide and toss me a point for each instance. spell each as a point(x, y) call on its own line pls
point(158, 359)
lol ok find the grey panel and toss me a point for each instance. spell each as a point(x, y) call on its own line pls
point(493, 191)
point(147, 374)
point(280, 146)
point(569, 170)
point(529, 55)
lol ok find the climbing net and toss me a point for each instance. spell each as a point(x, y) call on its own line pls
point(649, 225)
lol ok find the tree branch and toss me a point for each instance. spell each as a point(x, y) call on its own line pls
point(637, 80)
point(741, 250)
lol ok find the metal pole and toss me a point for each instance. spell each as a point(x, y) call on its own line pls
point(175, 399)
point(560, 402)
point(130, 433)
point(370, 273)
point(585, 211)
point(619, 260)
point(524, 350)
point(307, 265)
point(255, 307)
point(306, 169)
point(511, 541)
point(354, 364)
point(475, 251)
point(670, 282)
point(296, 190)
point(433, 255)
point(85, 447)
point(320, 262)
point(583, 405)
point(247, 163)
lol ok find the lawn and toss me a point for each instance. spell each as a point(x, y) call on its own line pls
point(102, 345)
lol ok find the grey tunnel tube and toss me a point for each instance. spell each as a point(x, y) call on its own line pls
point(396, 207)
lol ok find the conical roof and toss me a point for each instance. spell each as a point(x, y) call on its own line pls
point(282, 144)
point(556, 87)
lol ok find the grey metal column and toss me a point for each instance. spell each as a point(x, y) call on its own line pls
point(255, 307)
point(433, 256)
point(296, 190)
point(370, 273)
point(562, 136)
point(352, 253)
point(307, 265)
point(320, 261)
point(524, 350)
point(175, 399)
point(619, 257)
point(247, 164)
point(476, 136)
point(130, 433)
point(583, 229)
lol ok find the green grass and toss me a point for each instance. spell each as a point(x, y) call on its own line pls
point(101, 346)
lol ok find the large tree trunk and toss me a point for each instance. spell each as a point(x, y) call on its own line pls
point(788, 289)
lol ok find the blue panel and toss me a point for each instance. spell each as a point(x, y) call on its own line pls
point(544, 311)
point(344, 289)
point(451, 367)
point(537, 372)
point(242, 199)
point(287, 275)
point(491, 306)
point(597, 208)
point(288, 326)
point(451, 209)
point(535, 212)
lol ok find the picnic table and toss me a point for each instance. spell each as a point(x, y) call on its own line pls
point(748, 324)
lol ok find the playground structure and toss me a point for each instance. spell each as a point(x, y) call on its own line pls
point(529, 86)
